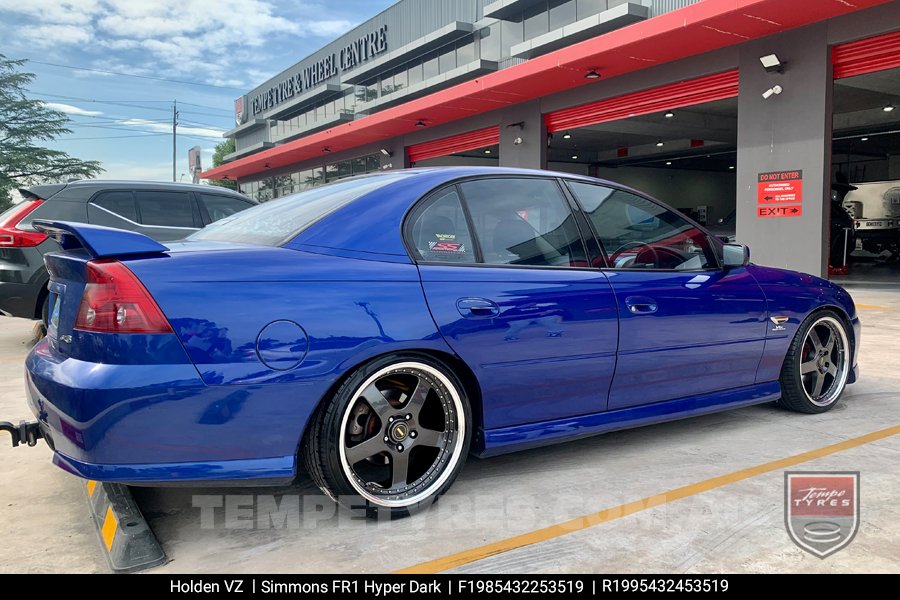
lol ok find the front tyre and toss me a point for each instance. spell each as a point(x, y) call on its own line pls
point(393, 437)
point(817, 364)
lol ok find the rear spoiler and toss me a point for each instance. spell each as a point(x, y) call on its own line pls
point(99, 241)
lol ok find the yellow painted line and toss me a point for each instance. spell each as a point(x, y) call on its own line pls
point(91, 485)
point(108, 531)
point(623, 510)
point(875, 307)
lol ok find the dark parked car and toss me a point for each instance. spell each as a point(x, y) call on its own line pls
point(162, 211)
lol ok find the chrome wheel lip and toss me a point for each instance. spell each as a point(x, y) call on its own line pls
point(837, 386)
point(455, 452)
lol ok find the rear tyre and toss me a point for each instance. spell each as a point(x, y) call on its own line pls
point(40, 327)
point(393, 437)
point(817, 364)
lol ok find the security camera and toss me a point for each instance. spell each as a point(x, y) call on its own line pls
point(775, 90)
point(386, 167)
point(517, 141)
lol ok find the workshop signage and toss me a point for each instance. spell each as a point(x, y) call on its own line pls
point(779, 194)
point(312, 74)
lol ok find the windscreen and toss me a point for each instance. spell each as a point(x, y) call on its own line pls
point(276, 221)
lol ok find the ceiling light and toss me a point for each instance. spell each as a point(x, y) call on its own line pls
point(386, 152)
point(772, 64)
point(592, 74)
point(864, 139)
point(731, 167)
point(267, 166)
point(669, 114)
point(326, 149)
point(659, 144)
point(574, 157)
point(668, 162)
point(487, 151)
point(888, 108)
point(420, 123)
point(567, 136)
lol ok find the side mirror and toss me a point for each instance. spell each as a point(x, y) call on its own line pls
point(735, 255)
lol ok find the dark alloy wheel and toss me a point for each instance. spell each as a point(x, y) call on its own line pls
point(399, 433)
point(816, 369)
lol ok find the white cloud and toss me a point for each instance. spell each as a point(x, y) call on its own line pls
point(72, 110)
point(166, 128)
point(330, 28)
point(201, 40)
point(48, 36)
point(53, 11)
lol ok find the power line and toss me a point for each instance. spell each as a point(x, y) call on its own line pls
point(112, 137)
point(219, 108)
point(92, 70)
point(132, 103)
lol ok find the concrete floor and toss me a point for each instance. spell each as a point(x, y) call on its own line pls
point(735, 528)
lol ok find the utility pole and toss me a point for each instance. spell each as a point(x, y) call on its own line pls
point(174, 132)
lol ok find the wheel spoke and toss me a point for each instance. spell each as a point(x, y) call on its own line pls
point(808, 367)
point(430, 437)
point(832, 370)
point(815, 339)
point(818, 385)
point(832, 340)
point(399, 468)
point(377, 401)
point(417, 397)
point(370, 447)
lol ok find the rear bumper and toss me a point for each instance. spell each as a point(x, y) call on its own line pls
point(161, 423)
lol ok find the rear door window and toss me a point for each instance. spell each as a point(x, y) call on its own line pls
point(119, 202)
point(165, 209)
point(218, 207)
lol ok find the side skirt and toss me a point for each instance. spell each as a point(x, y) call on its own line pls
point(533, 435)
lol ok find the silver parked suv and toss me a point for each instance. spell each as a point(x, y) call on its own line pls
point(162, 211)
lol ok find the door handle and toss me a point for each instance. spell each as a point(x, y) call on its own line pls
point(641, 305)
point(477, 308)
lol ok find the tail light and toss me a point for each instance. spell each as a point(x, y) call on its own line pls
point(10, 237)
point(115, 301)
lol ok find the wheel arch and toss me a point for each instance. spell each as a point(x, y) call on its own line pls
point(447, 359)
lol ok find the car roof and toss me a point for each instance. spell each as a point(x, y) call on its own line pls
point(372, 224)
point(50, 190)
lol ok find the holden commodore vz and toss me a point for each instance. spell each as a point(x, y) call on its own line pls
point(374, 331)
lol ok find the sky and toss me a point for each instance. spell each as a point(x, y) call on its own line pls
point(216, 49)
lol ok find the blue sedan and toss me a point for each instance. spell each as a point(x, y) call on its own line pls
point(375, 331)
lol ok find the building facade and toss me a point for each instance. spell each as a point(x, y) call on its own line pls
point(679, 98)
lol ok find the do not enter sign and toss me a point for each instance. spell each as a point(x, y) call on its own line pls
point(779, 194)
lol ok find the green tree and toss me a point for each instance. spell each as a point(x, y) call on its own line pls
point(223, 148)
point(24, 124)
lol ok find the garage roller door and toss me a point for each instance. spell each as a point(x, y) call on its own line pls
point(668, 97)
point(472, 140)
point(866, 56)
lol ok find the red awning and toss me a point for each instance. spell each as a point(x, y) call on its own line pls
point(698, 28)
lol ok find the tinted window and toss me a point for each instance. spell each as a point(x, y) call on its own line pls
point(118, 202)
point(219, 207)
point(523, 222)
point(440, 232)
point(277, 221)
point(639, 234)
point(165, 209)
